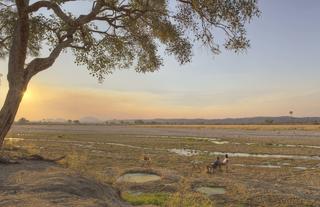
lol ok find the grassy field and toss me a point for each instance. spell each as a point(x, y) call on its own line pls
point(269, 165)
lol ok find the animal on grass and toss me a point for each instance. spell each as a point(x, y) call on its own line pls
point(146, 161)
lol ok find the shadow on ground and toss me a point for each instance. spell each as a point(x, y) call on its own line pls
point(40, 183)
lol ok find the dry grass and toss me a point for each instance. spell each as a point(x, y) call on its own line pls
point(189, 199)
point(105, 162)
point(186, 197)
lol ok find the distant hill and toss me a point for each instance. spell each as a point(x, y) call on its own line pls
point(57, 120)
point(230, 121)
point(248, 120)
point(90, 120)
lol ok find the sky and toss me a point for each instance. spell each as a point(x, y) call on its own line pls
point(278, 74)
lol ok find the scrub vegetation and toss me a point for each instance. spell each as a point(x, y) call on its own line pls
point(263, 171)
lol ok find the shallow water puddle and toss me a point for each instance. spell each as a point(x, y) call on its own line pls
point(135, 193)
point(190, 152)
point(239, 154)
point(212, 140)
point(138, 178)
point(258, 166)
point(122, 145)
point(277, 166)
point(14, 139)
point(300, 168)
point(285, 145)
point(97, 151)
point(184, 152)
point(220, 142)
point(209, 191)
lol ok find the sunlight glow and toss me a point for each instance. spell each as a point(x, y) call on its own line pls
point(27, 95)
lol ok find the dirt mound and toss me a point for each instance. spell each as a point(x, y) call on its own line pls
point(40, 183)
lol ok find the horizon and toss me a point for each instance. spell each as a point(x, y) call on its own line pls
point(89, 119)
point(276, 75)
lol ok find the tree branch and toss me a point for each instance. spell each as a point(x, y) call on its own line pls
point(39, 64)
point(5, 5)
point(56, 9)
point(3, 42)
point(81, 20)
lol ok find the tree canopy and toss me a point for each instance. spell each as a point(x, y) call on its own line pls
point(111, 34)
point(121, 33)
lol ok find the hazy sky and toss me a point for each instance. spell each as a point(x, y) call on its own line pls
point(279, 73)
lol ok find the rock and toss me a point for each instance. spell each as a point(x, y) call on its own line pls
point(6, 161)
point(36, 183)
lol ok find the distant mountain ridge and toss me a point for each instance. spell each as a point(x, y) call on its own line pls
point(245, 120)
point(90, 120)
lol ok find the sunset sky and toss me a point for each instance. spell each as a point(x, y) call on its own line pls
point(279, 73)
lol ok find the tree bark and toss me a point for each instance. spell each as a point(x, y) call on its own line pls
point(17, 75)
point(9, 109)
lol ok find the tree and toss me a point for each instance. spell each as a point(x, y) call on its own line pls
point(138, 122)
point(291, 113)
point(113, 34)
point(76, 121)
point(269, 121)
point(23, 121)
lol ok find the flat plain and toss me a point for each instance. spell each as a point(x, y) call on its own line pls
point(270, 165)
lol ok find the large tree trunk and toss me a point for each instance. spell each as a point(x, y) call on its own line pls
point(18, 74)
point(9, 109)
point(18, 77)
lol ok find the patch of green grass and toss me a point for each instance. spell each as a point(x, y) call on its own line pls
point(158, 199)
point(189, 199)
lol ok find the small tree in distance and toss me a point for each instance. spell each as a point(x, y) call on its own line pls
point(76, 121)
point(23, 121)
point(113, 34)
